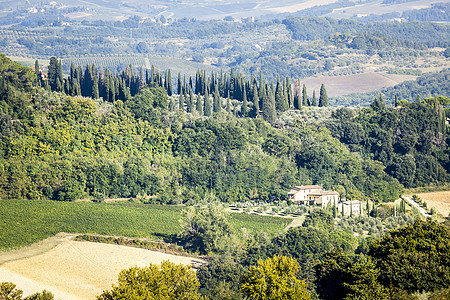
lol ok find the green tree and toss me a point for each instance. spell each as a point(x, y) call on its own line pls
point(274, 278)
point(305, 100)
point(314, 99)
point(323, 97)
point(217, 107)
point(244, 110)
point(268, 107)
point(202, 228)
point(338, 278)
point(165, 281)
point(414, 257)
point(53, 68)
point(255, 101)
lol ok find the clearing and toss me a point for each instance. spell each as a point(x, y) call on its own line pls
point(75, 270)
point(355, 83)
point(439, 200)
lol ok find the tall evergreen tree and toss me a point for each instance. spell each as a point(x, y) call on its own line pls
point(228, 105)
point(232, 83)
point(314, 99)
point(323, 98)
point(37, 73)
point(395, 100)
point(181, 101)
point(255, 101)
point(207, 102)
point(95, 93)
point(191, 101)
point(268, 107)
point(244, 109)
point(199, 104)
point(53, 73)
point(217, 107)
point(290, 94)
point(180, 84)
point(305, 100)
point(169, 83)
point(279, 96)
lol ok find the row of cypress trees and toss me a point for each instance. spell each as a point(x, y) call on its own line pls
point(267, 98)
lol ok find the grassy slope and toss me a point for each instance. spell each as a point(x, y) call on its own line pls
point(25, 222)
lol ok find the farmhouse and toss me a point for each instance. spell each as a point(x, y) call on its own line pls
point(316, 195)
point(299, 194)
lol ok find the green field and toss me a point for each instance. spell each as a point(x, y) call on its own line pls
point(25, 222)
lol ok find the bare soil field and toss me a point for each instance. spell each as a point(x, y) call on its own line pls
point(439, 200)
point(77, 270)
point(356, 83)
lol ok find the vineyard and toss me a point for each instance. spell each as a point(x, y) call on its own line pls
point(25, 222)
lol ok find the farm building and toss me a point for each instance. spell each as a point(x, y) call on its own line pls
point(324, 198)
point(316, 195)
point(350, 208)
point(313, 195)
point(299, 194)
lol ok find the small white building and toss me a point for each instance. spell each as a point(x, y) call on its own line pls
point(350, 208)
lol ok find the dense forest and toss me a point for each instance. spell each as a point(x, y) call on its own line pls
point(63, 147)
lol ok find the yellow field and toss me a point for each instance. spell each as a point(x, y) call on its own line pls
point(439, 200)
point(79, 270)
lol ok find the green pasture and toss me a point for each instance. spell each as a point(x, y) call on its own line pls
point(23, 222)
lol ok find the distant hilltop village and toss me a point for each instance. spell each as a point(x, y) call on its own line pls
point(316, 195)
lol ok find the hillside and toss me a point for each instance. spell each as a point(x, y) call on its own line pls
point(62, 147)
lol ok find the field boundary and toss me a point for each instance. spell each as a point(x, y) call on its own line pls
point(36, 248)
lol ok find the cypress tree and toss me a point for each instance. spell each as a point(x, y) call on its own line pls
point(217, 107)
point(95, 94)
point(60, 73)
point(169, 83)
point(53, 73)
point(179, 86)
point(232, 83)
point(191, 101)
point(323, 98)
point(172, 104)
point(37, 73)
point(207, 102)
point(395, 100)
point(305, 100)
point(228, 105)
point(244, 109)
point(181, 102)
point(268, 107)
point(255, 101)
point(314, 99)
point(279, 96)
point(153, 74)
point(199, 105)
point(290, 94)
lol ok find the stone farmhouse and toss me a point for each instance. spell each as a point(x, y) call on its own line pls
point(316, 195)
point(313, 195)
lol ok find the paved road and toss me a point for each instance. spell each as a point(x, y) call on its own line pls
point(420, 209)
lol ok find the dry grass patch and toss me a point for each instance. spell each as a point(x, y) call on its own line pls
point(81, 270)
point(356, 83)
point(439, 200)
